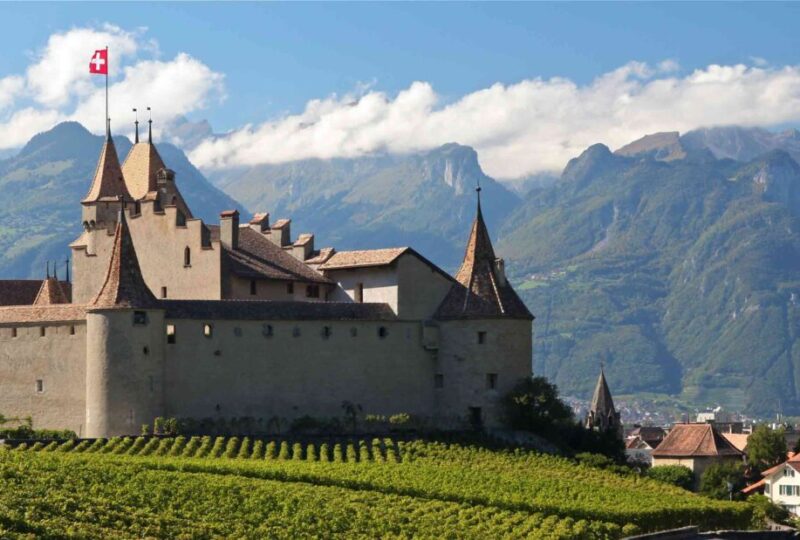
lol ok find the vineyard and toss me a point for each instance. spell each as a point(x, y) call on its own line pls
point(204, 487)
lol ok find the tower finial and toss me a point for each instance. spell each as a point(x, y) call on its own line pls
point(136, 123)
point(478, 190)
point(66, 264)
point(55, 270)
point(150, 126)
point(48, 269)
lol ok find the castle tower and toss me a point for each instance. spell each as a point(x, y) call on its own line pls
point(148, 178)
point(125, 347)
point(108, 190)
point(485, 331)
point(602, 414)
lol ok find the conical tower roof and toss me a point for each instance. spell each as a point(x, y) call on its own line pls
point(602, 403)
point(140, 169)
point(51, 292)
point(108, 183)
point(124, 286)
point(481, 292)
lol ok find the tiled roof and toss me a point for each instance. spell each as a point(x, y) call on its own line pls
point(39, 314)
point(367, 257)
point(695, 440)
point(257, 257)
point(108, 183)
point(19, 292)
point(140, 168)
point(321, 256)
point(652, 435)
point(739, 440)
point(275, 310)
point(50, 293)
point(124, 286)
point(479, 292)
point(636, 443)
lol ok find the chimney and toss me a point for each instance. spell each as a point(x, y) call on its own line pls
point(500, 272)
point(280, 232)
point(229, 228)
point(260, 222)
point(303, 247)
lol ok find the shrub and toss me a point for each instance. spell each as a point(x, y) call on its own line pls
point(324, 452)
point(297, 451)
point(283, 454)
point(232, 448)
point(258, 450)
point(677, 475)
point(270, 451)
point(533, 405)
point(244, 449)
point(722, 480)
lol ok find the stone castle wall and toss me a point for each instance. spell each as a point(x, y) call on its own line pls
point(58, 360)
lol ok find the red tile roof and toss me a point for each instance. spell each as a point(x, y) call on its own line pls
point(695, 440)
point(480, 293)
point(39, 314)
point(50, 293)
point(124, 286)
point(363, 258)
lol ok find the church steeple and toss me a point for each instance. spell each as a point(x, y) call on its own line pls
point(602, 414)
point(124, 286)
point(482, 289)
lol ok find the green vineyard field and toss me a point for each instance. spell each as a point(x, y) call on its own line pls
point(206, 487)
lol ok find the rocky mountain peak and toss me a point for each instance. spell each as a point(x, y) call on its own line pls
point(664, 146)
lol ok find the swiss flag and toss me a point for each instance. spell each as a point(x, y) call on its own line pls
point(99, 62)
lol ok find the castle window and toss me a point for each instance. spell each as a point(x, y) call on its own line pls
point(39, 386)
point(312, 291)
point(171, 333)
point(481, 338)
point(137, 208)
point(253, 287)
point(180, 218)
point(326, 332)
point(163, 292)
point(358, 293)
point(383, 332)
point(438, 381)
point(208, 330)
point(491, 381)
point(139, 318)
point(290, 288)
point(187, 257)
point(267, 330)
point(14, 332)
point(72, 330)
point(42, 331)
point(296, 331)
point(146, 350)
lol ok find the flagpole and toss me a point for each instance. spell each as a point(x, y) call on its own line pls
point(108, 126)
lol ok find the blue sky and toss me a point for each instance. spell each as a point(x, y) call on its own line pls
point(275, 58)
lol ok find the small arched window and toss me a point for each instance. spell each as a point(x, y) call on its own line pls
point(187, 257)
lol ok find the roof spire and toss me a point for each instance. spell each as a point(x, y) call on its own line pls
point(107, 184)
point(48, 270)
point(55, 270)
point(124, 286)
point(150, 126)
point(478, 190)
point(136, 123)
point(66, 264)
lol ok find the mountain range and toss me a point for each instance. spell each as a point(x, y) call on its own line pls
point(673, 260)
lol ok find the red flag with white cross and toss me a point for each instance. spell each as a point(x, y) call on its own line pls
point(98, 65)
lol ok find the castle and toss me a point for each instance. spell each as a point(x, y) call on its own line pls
point(170, 316)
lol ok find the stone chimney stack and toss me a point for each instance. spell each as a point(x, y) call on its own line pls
point(280, 232)
point(260, 222)
point(229, 228)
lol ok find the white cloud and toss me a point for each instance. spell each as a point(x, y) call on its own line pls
point(532, 126)
point(10, 87)
point(58, 86)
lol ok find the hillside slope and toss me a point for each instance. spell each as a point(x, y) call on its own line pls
point(680, 275)
point(424, 200)
point(43, 184)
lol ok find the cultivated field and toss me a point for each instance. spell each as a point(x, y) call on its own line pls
point(202, 487)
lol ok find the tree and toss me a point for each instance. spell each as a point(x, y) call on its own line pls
point(766, 447)
point(533, 405)
point(677, 475)
point(722, 480)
